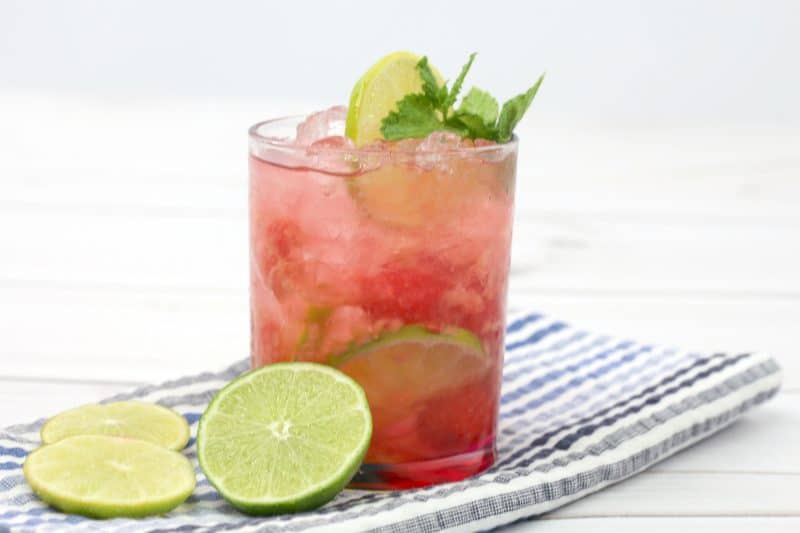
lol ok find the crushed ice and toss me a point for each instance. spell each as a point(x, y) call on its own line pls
point(320, 137)
point(318, 126)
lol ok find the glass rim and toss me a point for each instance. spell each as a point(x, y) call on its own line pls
point(285, 145)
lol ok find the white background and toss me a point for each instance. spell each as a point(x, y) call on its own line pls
point(672, 62)
point(658, 195)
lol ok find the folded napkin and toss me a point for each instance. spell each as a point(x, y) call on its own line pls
point(579, 412)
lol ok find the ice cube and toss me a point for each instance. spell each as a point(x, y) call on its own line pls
point(320, 125)
point(406, 145)
point(278, 152)
point(467, 143)
point(334, 142)
point(440, 141)
point(334, 155)
point(431, 152)
point(480, 143)
point(492, 156)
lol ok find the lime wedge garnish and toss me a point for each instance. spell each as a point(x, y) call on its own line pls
point(103, 477)
point(376, 94)
point(136, 420)
point(286, 437)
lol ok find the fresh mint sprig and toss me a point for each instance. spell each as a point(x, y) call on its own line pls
point(479, 116)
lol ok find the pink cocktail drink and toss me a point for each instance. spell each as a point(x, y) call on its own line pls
point(389, 262)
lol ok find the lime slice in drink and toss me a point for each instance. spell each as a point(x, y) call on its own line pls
point(104, 477)
point(377, 92)
point(453, 191)
point(403, 369)
point(396, 196)
point(136, 420)
point(403, 197)
point(414, 358)
point(286, 437)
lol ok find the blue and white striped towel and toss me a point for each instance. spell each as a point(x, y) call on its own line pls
point(579, 412)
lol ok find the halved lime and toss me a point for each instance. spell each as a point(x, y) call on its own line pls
point(377, 92)
point(286, 437)
point(104, 477)
point(136, 420)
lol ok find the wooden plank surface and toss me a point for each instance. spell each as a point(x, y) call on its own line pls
point(738, 449)
point(660, 524)
point(27, 399)
point(569, 252)
point(96, 330)
point(699, 494)
point(724, 170)
point(121, 265)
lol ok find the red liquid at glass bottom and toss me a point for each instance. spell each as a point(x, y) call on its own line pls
point(423, 473)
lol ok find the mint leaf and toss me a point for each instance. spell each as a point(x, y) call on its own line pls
point(430, 87)
point(451, 98)
point(420, 114)
point(513, 110)
point(480, 103)
point(415, 117)
point(473, 126)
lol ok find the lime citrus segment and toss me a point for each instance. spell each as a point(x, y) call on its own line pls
point(284, 438)
point(138, 420)
point(413, 359)
point(376, 94)
point(395, 196)
point(405, 374)
point(104, 477)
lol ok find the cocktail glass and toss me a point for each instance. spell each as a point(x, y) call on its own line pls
point(391, 263)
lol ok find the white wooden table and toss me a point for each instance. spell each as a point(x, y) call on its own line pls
point(123, 260)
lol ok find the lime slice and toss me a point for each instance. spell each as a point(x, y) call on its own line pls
point(407, 198)
point(286, 437)
point(404, 371)
point(104, 477)
point(414, 357)
point(377, 92)
point(136, 420)
point(395, 196)
point(410, 196)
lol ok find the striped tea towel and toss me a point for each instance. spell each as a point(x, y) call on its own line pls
point(579, 412)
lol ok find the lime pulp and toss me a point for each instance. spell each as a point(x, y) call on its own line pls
point(286, 437)
point(102, 476)
point(138, 420)
point(377, 92)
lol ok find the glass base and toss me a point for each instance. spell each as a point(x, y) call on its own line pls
point(422, 473)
